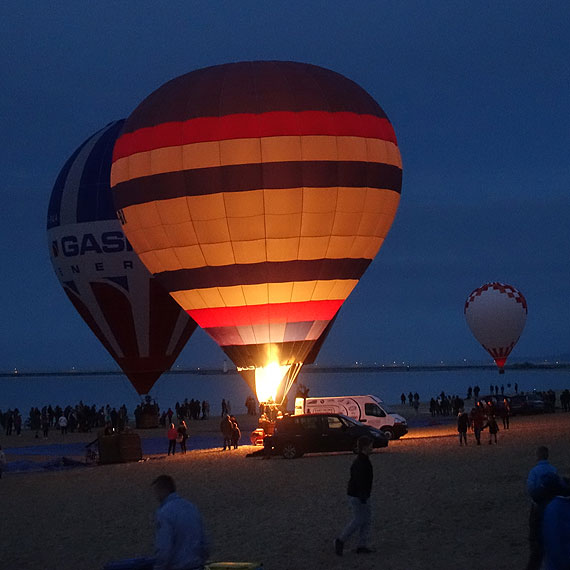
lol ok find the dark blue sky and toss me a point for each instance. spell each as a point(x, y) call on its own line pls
point(479, 98)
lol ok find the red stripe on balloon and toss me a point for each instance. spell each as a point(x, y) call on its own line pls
point(269, 313)
point(250, 125)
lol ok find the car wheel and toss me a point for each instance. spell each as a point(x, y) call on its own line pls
point(290, 451)
point(388, 433)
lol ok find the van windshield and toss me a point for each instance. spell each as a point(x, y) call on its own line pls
point(374, 410)
point(383, 406)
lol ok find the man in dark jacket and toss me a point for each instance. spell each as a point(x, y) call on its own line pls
point(462, 426)
point(359, 488)
point(226, 428)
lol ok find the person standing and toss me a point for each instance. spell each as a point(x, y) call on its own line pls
point(416, 405)
point(462, 426)
point(236, 432)
point(62, 423)
point(359, 489)
point(17, 422)
point(45, 425)
point(477, 421)
point(172, 434)
point(505, 412)
point(537, 485)
point(2, 461)
point(493, 429)
point(556, 534)
point(182, 436)
point(226, 428)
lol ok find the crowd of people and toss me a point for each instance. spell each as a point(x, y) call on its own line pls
point(78, 418)
point(186, 411)
point(445, 405)
point(413, 400)
point(481, 417)
point(84, 418)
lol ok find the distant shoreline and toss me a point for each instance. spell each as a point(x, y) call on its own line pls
point(310, 369)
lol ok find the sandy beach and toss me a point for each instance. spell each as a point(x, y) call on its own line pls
point(435, 504)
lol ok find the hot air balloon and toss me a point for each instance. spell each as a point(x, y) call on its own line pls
point(258, 193)
point(496, 314)
point(135, 319)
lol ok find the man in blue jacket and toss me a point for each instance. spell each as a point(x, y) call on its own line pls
point(180, 539)
point(556, 534)
point(543, 484)
point(359, 488)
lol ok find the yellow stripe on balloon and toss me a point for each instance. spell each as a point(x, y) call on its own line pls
point(254, 151)
point(248, 217)
point(240, 295)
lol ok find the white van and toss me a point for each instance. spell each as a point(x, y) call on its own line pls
point(365, 409)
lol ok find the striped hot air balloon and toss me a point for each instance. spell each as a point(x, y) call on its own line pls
point(135, 319)
point(258, 193)
point(496, 314)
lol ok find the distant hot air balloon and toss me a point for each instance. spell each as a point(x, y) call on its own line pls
point(258, 193)
point(135, 319)
point(496, 314)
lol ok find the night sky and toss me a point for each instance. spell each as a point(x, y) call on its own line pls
point(479, 96)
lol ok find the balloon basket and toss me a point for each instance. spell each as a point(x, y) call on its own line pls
point(119, 448)
point(147, 419)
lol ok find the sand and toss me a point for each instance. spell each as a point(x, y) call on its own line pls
point(435, 504)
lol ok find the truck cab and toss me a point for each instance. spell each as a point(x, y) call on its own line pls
point(368, 410)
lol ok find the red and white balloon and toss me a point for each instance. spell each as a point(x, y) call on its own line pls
point(496, 314)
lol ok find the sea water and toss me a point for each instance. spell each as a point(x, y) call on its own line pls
point(24, 392)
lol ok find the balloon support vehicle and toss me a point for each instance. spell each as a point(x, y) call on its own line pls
point(317, 433)
point(365, 409)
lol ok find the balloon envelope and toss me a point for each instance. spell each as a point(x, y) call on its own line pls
point(129, 312)
point(258, 193)
point(496, 314)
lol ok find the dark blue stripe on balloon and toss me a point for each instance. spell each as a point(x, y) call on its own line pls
point(95, 200)
point(54, 208)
